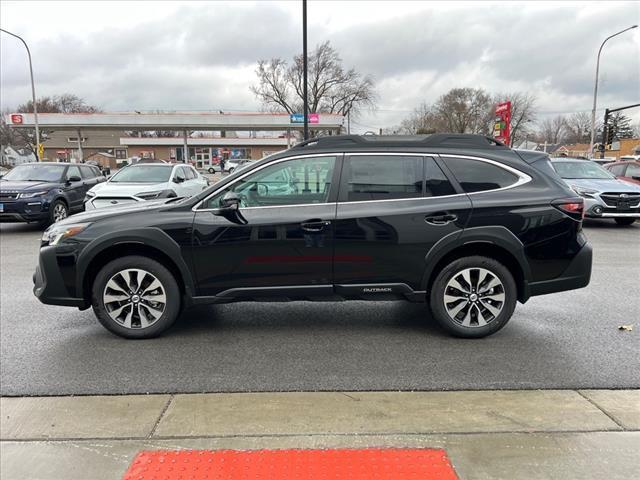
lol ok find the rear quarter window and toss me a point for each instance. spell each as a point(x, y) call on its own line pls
point(479, 176)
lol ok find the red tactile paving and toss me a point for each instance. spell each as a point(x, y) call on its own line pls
point(343, 464)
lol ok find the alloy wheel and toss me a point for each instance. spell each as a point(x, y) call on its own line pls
point(474, 297)
point(59, 212)
point(134, 298)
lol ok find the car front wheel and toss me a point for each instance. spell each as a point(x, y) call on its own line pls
point(473, 297)
point(211, 170)
point(135, 297)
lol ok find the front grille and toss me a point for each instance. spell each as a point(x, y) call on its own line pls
point(8, 197)
point(109, 201)
point(612, 198)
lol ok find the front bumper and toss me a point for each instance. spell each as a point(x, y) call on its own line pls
point(577, 275)
point(24, 210)
point(598, 208)
point(49, 283)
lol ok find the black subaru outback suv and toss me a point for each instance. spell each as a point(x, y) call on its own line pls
point(460, 222)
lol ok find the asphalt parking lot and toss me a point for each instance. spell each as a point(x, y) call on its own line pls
point(568, 340)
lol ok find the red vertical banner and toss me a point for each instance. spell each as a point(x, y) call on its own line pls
point(502, 126)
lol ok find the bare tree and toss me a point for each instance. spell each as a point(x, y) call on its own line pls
point(578, 128)
point(523, 114)
point(553, 130)
point(422, 120)
point(331, 88)
point(464, 110)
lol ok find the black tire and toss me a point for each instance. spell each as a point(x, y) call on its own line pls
point(172, 306)
point(231, 170)
point(56, 209)
point(454, 326)
point(625, 221)
point(211, 170)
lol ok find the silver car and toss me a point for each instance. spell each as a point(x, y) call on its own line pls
point(604, 195)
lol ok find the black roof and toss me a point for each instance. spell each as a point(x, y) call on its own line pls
point(447, 140)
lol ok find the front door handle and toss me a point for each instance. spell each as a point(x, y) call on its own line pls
point(315, 225)
point(441, 219)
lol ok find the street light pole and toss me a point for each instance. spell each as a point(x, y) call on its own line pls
point(595, 90)
point(305, 100)
point(33, 91)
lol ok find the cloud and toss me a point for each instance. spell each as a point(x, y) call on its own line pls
point(202, 56)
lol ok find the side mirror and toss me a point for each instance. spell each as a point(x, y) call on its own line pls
point(231, 200)
point(178, 179)
point(230, 208)
point(73, 178)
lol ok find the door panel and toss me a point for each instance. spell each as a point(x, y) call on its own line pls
point(385, 241)
point(75, 190)
point(272, 249)
point(286, 236)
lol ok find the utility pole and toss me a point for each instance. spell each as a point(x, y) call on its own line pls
point(595, 89)
point(305, 100)
point(33, 93)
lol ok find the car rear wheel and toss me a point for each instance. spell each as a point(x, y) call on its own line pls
point(473, 297)
point(135, 297)
point(625, 221)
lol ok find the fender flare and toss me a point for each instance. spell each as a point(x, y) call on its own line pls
point(495, 235)
point(150, 236)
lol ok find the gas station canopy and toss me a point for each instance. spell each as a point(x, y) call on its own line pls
point(176, 121)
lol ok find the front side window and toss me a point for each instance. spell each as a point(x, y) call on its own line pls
point(478, 176)
point(292, 182)
point(87, 172)
point(633, 170)
point(382, 177)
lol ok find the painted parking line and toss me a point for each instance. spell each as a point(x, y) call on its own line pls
point(336, 464)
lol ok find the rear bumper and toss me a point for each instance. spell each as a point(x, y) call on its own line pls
point(48, 284)
point(577, 275)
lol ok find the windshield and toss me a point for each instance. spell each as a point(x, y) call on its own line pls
point(584, 169)
point(36, 173)
point(143, 174)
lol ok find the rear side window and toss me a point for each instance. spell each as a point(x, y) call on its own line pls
point(87, 172)
point(437, 182)
point(382, 177)
point(478, 176)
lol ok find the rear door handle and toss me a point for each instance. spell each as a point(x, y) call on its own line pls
point(315, 225)
point(441, 219)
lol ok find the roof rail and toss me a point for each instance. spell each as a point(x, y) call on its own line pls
point(459, 140)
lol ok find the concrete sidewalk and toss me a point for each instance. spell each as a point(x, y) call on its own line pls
point(487, 434)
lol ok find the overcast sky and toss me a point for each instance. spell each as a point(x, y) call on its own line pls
point(124, 56)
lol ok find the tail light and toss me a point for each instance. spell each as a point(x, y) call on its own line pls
point(574, 207)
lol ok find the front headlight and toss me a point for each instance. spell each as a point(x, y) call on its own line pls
point(584, 192)
point(33, 194)
point(156, 194)
point(56, 233)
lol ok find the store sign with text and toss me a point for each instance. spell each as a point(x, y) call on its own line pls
point(299, 118)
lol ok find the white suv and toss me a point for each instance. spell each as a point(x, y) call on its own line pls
point(146, 181)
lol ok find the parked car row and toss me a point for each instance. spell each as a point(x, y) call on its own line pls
point(48, 192)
